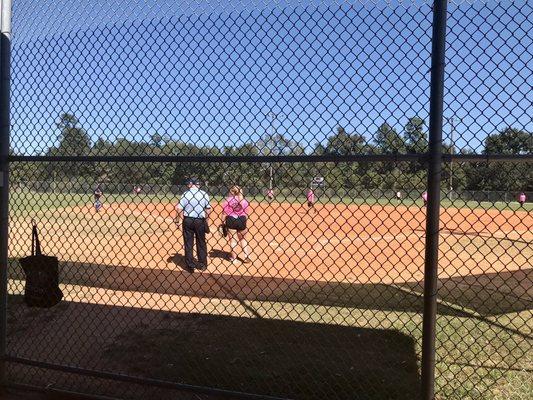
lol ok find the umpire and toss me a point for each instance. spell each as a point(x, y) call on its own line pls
point(194, 208)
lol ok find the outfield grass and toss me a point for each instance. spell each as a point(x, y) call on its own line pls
point(27, 201)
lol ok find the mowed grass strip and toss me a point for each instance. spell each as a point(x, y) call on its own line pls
point(24, 202)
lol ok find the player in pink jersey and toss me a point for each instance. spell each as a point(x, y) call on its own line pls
point(234, 220)
point(522, 198)
point(270, 194)
point(425, 197)
point(311, 199)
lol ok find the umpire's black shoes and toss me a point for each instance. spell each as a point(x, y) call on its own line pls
point(201, 267)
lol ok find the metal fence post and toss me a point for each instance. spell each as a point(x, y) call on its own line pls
point(5, 60)
point(433, 208)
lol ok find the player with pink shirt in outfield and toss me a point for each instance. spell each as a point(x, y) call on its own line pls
point(311, 199)
point(234, 220)
point(522, 198)
point(425, 197)
point(270, 194)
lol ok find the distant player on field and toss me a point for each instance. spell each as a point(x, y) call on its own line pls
point(522, 198)
point(311, 199)
point(399, 196)
point(137, 189)
point(97, 198)
point(270, 194)
point(425, 198)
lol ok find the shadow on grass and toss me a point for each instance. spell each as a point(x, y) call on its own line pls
point(272, 357)
point(487, 294)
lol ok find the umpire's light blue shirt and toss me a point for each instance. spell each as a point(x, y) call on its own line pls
point(194, 202)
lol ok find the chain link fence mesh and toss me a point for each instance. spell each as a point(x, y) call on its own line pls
point(318, 110)
point(487, 353)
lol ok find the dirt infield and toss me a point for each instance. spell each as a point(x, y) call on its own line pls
point(342, 243)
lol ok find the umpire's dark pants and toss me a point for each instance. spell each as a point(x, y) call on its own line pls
point(194, 228)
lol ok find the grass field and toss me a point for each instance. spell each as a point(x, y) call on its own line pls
point(24, 201)
point(331, 305)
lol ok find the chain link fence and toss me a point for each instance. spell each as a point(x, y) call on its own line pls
point(131, 125)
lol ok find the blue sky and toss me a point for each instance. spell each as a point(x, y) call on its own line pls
point(211, 75)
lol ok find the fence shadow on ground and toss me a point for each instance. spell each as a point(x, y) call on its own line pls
point(239, 287)
point(256, 355)
point(486, 294)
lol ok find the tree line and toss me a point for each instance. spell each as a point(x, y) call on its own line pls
point(413, 139)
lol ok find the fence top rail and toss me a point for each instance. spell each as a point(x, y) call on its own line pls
point(288, 158)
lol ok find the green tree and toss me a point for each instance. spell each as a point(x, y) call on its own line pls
point(205, 171)
point(343, 143)
point(135, 173)
point(388, 175)
point(156, 140)
point(509, 141)
point(102, 170)
point(415, 137)
point(388, 141)
point(24, 171)
point(511, 177)
point(73, 141)
point(348, 175)
point(277, 144)
point(319, 149)
point(416, 142)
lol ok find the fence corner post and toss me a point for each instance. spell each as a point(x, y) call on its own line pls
point(433, 207)
point(5, 65)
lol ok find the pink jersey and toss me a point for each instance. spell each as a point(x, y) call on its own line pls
point(310, 196)
point(233, 207)
point(522, 197)
point(425, 196)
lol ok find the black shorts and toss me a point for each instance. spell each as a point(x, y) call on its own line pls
point(237, 224)
point(310, 204)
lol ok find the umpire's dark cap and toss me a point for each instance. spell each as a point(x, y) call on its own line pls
point(193, 181)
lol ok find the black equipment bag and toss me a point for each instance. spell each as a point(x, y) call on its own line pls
point(42, 276)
